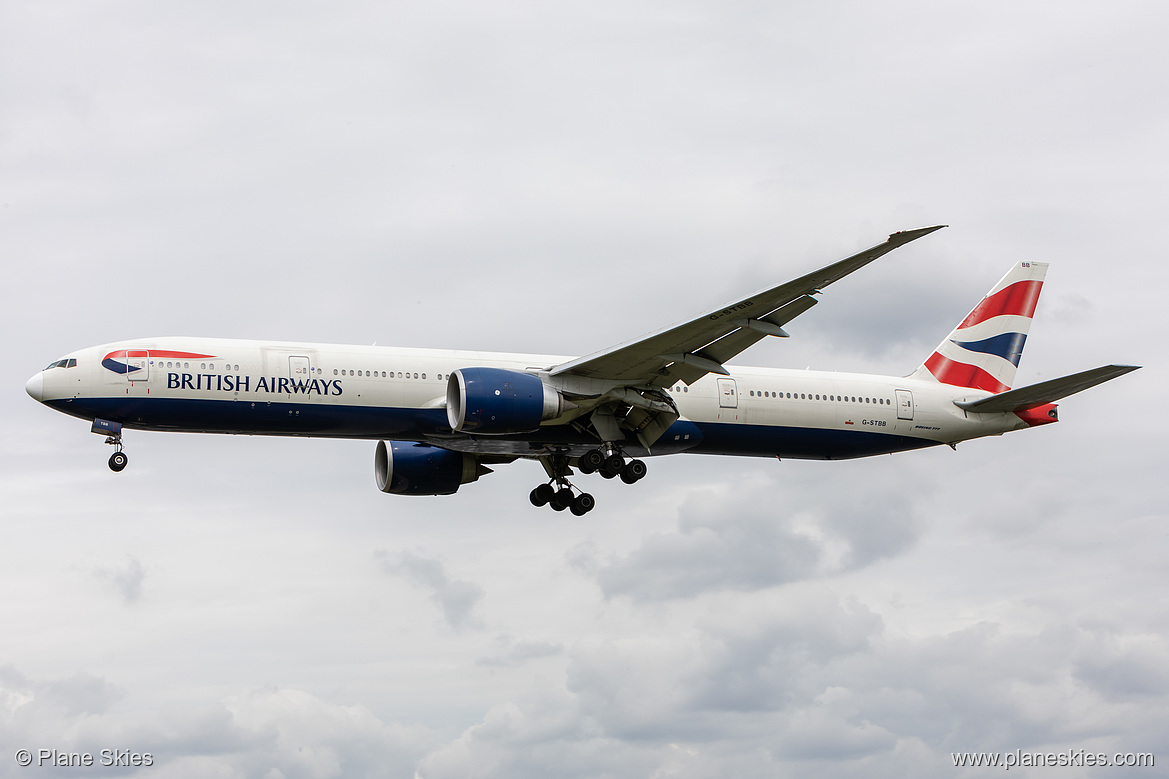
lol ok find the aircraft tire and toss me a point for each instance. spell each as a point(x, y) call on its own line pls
point(583, 504)
point(562, 499)
point(538, 497)
point(118, 461)
point(590, 461)
point(633, 471)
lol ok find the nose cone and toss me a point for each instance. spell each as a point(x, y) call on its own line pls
point(36, 387)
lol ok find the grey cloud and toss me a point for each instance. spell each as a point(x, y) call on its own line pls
point(1122, 667)
point(78, 696)
point(516, 653)
point(127, 579)
point(811, 682)
point(456, 598)
point(262, 732)
point(748, 536)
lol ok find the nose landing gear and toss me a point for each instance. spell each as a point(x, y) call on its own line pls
point(113, 433)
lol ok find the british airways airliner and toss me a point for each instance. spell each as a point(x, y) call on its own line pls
point(441, 418)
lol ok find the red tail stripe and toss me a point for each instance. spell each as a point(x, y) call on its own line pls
point(1018, 299)
point(960, 374)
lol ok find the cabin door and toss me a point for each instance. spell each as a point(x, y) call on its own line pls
point(904, 404)
point(137, 365)
point(298, 368)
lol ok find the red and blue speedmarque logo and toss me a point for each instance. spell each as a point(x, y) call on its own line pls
point(113, 360)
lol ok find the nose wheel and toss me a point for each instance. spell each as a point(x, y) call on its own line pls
point(118, 461)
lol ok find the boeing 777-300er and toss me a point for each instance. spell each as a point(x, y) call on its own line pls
point(440, 418)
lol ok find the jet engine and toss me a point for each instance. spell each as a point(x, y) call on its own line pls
point(488, 401)
point(407, 468)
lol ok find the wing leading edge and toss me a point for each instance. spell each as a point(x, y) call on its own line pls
point(688, 351)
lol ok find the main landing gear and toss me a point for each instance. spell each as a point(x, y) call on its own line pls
point(558, 493)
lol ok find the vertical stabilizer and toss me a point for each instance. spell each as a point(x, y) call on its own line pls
point(983, 351)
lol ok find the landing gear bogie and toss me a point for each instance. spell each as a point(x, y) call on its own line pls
point(561, 496)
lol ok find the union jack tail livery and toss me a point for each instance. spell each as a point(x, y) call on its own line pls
point(983, 351)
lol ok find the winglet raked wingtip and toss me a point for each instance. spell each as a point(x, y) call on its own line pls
point(905, 236)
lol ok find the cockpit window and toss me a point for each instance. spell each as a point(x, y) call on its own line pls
point(68, 363)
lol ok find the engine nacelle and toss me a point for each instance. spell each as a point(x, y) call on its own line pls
point(488, 401)
point(406, 468)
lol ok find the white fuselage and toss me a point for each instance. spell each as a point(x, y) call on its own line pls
point(371, 392)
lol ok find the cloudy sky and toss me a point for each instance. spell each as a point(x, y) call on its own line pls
point(557, 178)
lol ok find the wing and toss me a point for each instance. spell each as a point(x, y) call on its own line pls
point(688, 351)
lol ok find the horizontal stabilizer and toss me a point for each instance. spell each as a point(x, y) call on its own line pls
point(1045, 391)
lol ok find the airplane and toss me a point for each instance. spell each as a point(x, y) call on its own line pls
point(441, 418)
